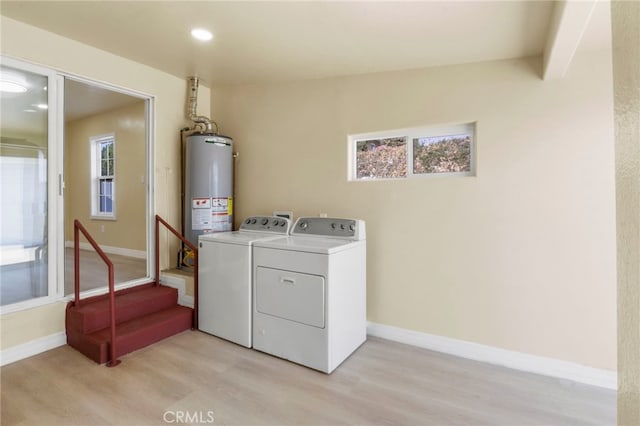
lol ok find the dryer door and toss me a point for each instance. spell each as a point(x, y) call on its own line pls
point(291, 295)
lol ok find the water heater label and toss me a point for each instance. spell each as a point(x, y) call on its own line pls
point(201, 203)
point(211, 214)
point(220, 205)
point(220, 214)
point(201, 214)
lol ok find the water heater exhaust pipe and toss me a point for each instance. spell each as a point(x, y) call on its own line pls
point(201, 124)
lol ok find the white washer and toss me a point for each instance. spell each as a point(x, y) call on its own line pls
point(309, 303)
point(224, 277)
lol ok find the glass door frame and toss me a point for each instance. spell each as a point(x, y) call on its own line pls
point(55, 183)
point(149, 180)
point(55, 129)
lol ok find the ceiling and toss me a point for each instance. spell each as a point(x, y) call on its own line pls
point(264, 41)
point(26, 113)
point(84, 100)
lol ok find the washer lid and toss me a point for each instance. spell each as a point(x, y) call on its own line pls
point(310, 245)
point(237, 237)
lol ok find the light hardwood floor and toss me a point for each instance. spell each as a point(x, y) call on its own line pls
point(29, 279)
point(383, 383)
point(93, 272)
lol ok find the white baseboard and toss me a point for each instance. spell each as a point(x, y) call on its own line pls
point(492, 355)
point(489, 354)
point(34, 347)
point(179, 284)
point(138, 254)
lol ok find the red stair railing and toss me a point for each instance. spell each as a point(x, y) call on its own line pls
point(159, 221)
point(77, 228)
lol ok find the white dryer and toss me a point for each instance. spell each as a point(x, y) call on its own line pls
point(309, 290)
point(225, 277)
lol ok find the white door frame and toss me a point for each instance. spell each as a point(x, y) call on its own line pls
point(149, 181)
point(55, 184)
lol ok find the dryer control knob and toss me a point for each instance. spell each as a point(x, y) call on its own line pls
point(304, 225)
point(352, 227)
point(265, 221)
point(333, 226)
point(248, 221)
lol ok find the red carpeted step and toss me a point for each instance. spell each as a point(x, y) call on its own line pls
point(133, 334)
point(93, 313)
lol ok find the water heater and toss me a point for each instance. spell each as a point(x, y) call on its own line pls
point(208, 202)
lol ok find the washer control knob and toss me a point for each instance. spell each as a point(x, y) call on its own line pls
point(352, 227)
point(253, 221)
point(248, 221)
point(283, 223)
point(333, 226)
point(265, 221)
point(304, 225)
point(275, 222)
point(342, 226)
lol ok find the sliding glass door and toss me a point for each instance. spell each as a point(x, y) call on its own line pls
point(70, 149)
point(28, 187)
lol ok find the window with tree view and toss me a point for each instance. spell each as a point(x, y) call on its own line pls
point(382, 158)
point(414, 152)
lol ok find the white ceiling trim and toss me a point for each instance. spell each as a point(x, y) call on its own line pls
point(568, 24)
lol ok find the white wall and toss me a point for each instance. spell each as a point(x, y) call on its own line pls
point(521, 257)
point(31, 44)
point(626, 74)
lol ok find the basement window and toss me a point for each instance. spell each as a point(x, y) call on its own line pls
point(103, 183)
point(415, 152)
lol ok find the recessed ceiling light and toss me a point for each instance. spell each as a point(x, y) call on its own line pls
point(11, 87)
point(201, 34)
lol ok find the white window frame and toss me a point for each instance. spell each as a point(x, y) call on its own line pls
point(409, 134)
point(95, 143)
